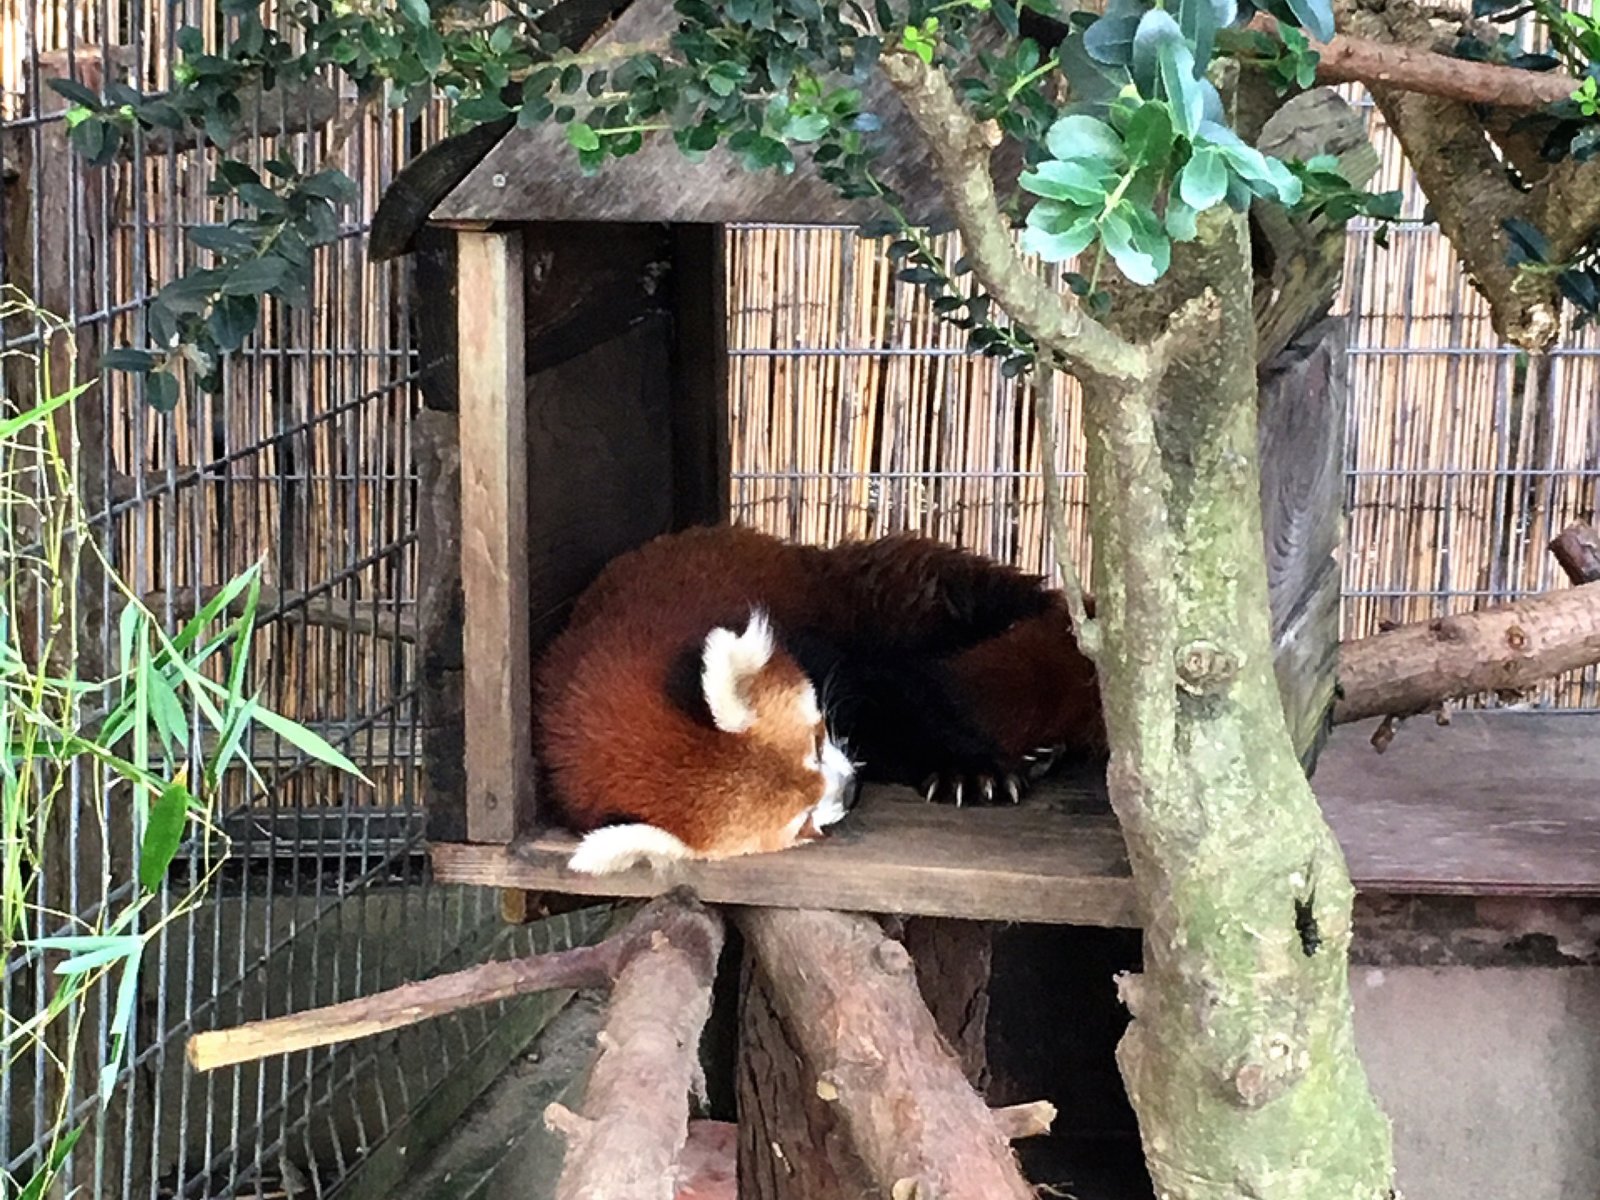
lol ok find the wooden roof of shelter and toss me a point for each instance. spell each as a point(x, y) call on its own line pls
point(533, 174)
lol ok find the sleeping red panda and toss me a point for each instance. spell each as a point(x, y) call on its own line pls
point(720, 692)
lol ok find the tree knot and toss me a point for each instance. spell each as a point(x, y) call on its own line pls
point(1205, 668)
point(1268, 1072)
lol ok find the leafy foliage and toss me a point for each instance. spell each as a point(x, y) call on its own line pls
point(134, 736)
point(1120, 173)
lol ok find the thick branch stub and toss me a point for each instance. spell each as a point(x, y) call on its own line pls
point(960, 147)
point(1413, 668)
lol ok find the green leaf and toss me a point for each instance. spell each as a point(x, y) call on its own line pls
point(222, 238)
point(1184, 93)
point(1075, 180)
point(1116, 231)
point(332, 184)
point(1200, 20)
point(1181, 221)
point(1084, 137)
point(163, 834)
point(1059, 246)
point(35, 1188)
point(416, 11)
point(583, 136)
point(256, 277)
point(232, 319)
point(1315, 17)
point(1156, 31)
point(307, 742)
point(263, 198)
point(1149, 134)
point(161, 391)
point(482, 109)
point(102, 951)
point(807, 128)
point(1203, 182)
point(76, 92)
point(1109, 40)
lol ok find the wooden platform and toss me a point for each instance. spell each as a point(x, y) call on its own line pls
point(1492, 805)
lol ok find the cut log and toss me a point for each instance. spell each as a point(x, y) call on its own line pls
point(625, 1143)
point(1577, 549)
point(847, 995)
point(1413, 668)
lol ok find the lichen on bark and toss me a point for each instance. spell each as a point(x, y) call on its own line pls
point(1240, 1059)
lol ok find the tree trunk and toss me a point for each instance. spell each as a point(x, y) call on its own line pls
point(1240, 1059)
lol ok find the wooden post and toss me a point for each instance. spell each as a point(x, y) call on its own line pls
point(494, 556)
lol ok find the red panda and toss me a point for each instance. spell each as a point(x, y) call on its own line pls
point(719, 692)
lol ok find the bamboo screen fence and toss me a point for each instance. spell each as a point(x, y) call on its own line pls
point(855, 413)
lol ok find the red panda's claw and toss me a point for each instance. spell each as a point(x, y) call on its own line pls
point(1014, 787)
point(929, 788)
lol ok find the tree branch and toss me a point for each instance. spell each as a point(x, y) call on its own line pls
point(960, 150)
point(1417, 69)
point(1463, 178)
point(677, 917)
point(625, 1143)
point(1413, 668)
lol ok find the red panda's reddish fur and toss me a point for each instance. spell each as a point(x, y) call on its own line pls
point(617, 749)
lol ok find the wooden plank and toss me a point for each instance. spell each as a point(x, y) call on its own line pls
point(600, 455)
point(895, 854)
point(497, 692)
point(701, 453)
point(1301, 439)
point(1493, 806)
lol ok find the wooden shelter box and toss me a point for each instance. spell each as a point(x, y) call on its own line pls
point(581, 409)
point(590, 414)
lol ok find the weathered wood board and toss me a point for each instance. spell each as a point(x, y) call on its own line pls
point(1491, 806)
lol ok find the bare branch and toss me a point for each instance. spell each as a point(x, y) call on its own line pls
point(1421, 70)
point(1413, 668)
point(676, 917)
point(1577, 549)
point(960, 150)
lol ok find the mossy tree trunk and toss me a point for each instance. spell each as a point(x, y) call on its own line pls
point(1240, 1060)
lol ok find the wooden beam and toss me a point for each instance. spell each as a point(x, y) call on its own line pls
point(494, 541)
point(633, 1123)
point(890, 855)
point(847, 995)
point(1417, 667)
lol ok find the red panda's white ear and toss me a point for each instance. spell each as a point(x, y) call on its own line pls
point(730, 661)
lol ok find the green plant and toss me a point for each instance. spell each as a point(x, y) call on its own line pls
point(149, 740)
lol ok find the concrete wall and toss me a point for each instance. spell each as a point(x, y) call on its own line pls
point(1490, 1075)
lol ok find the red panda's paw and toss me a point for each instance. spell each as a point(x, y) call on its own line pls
point(614, 848)
point(991, 783)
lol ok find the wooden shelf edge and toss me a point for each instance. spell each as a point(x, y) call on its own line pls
point(800, 879)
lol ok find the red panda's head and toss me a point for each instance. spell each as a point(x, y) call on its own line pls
point(757, 692)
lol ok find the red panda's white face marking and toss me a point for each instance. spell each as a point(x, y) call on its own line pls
point(755, 690)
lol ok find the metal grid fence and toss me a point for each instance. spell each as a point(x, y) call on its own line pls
point(303, 463)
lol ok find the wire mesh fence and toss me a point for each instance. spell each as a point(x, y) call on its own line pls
point(302, 464)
